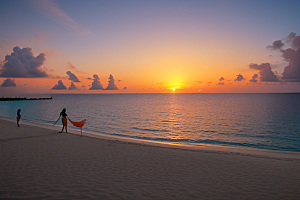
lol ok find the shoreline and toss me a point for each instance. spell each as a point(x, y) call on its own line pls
point(40, 163)
point(201, 147)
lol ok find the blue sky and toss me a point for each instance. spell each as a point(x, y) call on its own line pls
point(152, 46)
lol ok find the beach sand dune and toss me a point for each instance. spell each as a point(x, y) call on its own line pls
point(39, 163)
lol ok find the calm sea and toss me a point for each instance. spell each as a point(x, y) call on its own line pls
point(263, 121)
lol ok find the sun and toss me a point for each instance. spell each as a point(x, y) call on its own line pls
point(173, 89)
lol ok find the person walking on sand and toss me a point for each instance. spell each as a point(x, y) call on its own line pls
point(18, 117)
point(63, 120)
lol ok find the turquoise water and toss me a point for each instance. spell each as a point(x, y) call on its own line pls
point(263, 121)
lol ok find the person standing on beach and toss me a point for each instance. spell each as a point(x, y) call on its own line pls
point(18, 117)
point(63, 120)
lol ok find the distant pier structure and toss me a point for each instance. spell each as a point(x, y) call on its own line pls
point(24, 98)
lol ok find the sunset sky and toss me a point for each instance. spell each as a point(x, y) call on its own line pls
point(163, 46)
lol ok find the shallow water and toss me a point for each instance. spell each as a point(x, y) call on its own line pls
point(263, 121)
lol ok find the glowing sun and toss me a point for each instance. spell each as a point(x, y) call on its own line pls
point(173, 89)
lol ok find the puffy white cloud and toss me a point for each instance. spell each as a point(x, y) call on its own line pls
point(22, 63)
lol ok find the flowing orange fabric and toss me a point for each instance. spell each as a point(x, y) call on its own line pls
point(77, 124)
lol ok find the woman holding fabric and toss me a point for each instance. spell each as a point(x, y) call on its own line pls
point(63, 120)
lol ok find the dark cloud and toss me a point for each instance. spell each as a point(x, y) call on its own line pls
point(22, 63)
point(221, 79)
point(296, 42)
point(96, 85)
point(290, 37)
point(96, 77)
point(291, 72)
point(265, 72)
point(125, 88)
point(278, 44)
point(288, 53)
point(59, 86)
point(9, 83)
point(119, 80)
point(72, 76)
point(259, 67)
point(89, 78)
point(239, 78)
point(221, 83)
point(254, 77)
point(111, 83)
point(72, 87)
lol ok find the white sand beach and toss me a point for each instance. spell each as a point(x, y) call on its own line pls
point(40, 163)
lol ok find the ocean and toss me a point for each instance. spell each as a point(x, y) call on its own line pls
point(262, 121)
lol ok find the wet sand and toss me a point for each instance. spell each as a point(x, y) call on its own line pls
point(37, 162)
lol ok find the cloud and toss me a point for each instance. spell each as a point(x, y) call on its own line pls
point(72, 76)
point(290, 37)
point(221, 79)
point(265, 72)
point(111, 83)
point(259, 67)
point(119, 80)
point(239, 78)
point(71, 65)
point(96, 85)
point(72, 87)
point(221, 83)
point(125, 88)
point(276, 45)
point(22, 63)
point(51, 9)
point(89, 78)
point(291, 72)
point(254, 77)
point(296, 42)
point(9, 83)
point(59, 86)
point(96, 77)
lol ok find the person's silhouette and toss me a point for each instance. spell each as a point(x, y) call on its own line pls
point(18, 117)
point(63, 120)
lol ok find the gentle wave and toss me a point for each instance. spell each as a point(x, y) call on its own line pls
point(263, 121)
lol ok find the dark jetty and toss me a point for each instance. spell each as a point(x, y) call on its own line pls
point(19, 98)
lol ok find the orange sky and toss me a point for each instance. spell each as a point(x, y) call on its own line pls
point(147, 46)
